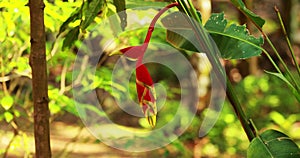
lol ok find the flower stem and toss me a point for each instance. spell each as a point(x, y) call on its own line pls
point(154, 20)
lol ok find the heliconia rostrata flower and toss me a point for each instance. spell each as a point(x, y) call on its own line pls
point(144, 83)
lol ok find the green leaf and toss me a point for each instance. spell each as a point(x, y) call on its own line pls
point(284, 79)
point(121, 9)
point(273, 144)
point(73, 17)
point(90, 11)
point(242, 7)
point(8, 116)
point(234, 42)
point(7, 102)
point(70, 38)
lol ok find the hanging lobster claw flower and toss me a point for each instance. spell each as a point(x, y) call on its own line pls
point(144, 83)
point(146, 94)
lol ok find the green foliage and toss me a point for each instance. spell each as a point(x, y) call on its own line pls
point(86, 14)
point(288, 83)
point(60, 102)
point(234, 41)
point(16, 107)
point(255, 18)
point(71, 37)
point(7, 102)
point(90, 10)
point(121, 10)
point(272, 143)
point(76, 15)
point(71, 20)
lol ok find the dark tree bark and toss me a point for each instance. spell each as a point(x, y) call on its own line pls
point(39, 79)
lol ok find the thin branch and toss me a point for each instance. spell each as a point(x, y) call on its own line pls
point(287, 40)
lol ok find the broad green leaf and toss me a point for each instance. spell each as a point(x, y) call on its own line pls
point(70, 38)
point(90, 11)
point(121, 9)
point(8, 116)
point(273, 144)
point(284, 79)
point(242, 7)
point(73, 17)
point(7, 102)
point(234, 42)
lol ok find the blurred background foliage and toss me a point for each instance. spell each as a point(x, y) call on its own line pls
point(265, 98)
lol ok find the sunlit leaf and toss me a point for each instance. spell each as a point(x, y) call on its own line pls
point(7, 102)
point(8, 116)
point(234, 41)
point(73, 17)
point(255, 18)
point(273, 144)
point(92, 9)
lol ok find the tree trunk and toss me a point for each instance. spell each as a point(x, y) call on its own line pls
point(38, 65)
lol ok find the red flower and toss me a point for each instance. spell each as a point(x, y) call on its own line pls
point(144, 83)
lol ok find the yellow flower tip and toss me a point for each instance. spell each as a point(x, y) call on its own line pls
point(152, 120)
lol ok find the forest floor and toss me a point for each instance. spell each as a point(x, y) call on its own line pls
point(67, 140)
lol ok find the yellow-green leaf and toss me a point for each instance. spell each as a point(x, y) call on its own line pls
point(7, 102)
point(8, 116)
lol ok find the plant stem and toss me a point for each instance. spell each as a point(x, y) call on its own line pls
point(291, 77)
point(247, 125)
point(212, 55)
point(289, 74)
point(287, 40)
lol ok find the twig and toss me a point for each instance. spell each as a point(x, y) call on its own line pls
point(287, 39)
point(2, 76)
point(15, 129)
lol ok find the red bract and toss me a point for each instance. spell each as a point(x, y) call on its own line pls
point(134, 52)
point(146, 93)
point(144, 83)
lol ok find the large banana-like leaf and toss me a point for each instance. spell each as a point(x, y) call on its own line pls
point(234, 41)
point(273, 144)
